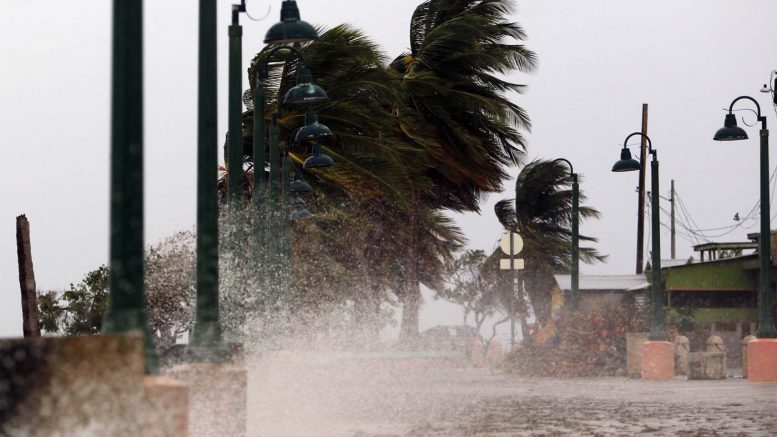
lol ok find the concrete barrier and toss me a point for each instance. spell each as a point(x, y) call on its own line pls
point(634, 342)
point(217, 398)
point(165, 407)
point(657, 360)
point(78, 385)
point(681, 350)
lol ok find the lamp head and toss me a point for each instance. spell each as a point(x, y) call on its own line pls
point(302, 214)
point(765, 89)
point(626, 163)
point(298, 185)
point(313, 130)
point(305, 92)
point(318, 159)
point(730, 131)
point(291, 28)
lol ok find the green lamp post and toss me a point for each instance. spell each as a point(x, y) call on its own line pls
point(207, 344)
point(127, 303)
point(575, 297)
point(627, 163)
point(235, 150)
point(731, 132)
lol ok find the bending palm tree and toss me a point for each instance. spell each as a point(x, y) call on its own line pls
point(542, 213)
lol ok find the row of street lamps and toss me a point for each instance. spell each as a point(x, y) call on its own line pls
point(126, 311)
point(729, 132)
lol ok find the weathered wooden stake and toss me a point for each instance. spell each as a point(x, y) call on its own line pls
point(30, 324)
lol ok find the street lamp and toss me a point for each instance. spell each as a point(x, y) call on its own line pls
point(272, 234)
point(627, 163)
point(575, 297)
point(127, 302)
point(731, 132)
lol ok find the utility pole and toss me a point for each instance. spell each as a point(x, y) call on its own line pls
point(671, 200)
point(641, 206)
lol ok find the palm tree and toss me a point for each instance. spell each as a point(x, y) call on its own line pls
point(541, 213)
point(454, 108)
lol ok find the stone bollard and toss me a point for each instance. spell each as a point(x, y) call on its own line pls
point(744, 353)
point(634, 342)
point(217, 398)
point(478, 358)
point(495, 355)
point(762, 360)
point(657, 360)
point(716, 344)
point(166, 407)
point(681, 349)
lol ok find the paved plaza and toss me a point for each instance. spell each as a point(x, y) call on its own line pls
point(321, 395)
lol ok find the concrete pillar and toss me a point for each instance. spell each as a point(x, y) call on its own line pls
point(495, 355)
point(716, 344)
point(681, 349)
point(657, 360)
point(165, 407)
point(217, 398)
point(762, 360)
point(76, 385)
point(478, 357)
point(634, 342)
point(744, 353)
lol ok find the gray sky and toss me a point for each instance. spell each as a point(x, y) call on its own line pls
point(599, 61)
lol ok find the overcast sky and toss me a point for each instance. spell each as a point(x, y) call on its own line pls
point(598, 62)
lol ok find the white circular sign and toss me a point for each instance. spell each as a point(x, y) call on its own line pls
point(517, 244)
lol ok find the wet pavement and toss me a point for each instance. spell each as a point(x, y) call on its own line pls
point(337, 395)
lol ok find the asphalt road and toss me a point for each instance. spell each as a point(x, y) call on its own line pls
point(295, 394)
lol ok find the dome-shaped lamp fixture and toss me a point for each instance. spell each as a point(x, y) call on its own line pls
point(313, 130)
point(730, 131)
point(318, 159)
point(298, 185)
point(291, 28)
point(305, 92)
point(300, 212)
point(626, 163)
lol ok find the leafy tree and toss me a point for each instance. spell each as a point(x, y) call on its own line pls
point(78, 310)
point(541, 213)
point(169, 279)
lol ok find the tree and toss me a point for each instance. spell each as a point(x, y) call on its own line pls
point(541, 213)
point(170, 297)
point(470, 288)
point(454, 108)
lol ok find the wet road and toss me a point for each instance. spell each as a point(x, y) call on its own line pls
point(337, 395)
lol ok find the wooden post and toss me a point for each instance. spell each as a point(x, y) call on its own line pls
point(30, 324)
point(674, 253)
point(641, 206)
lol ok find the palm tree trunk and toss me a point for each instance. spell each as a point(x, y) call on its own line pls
point(411, 296)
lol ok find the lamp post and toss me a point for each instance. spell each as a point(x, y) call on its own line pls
point(731, 132)
point(575, 297)
point(127, 303)
point(207, 344)
point(627, 163)
point(270, 206)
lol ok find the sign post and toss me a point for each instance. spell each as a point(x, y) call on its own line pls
point(512, 245)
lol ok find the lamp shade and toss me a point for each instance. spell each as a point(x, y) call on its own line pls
point(313, 130)
point(301, 214)
point(626, 163)
point(298, 185)
point(305, 92)
point(730, 131)
point(318, 159)
point(291, 28)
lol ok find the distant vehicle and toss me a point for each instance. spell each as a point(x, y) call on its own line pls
point(457, 338)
